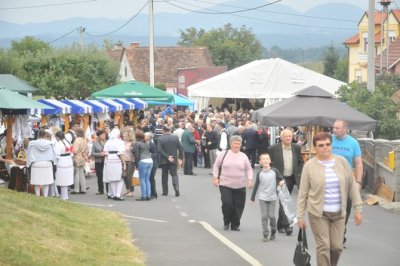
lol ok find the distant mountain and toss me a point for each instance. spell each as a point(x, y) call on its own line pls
point(275, 25)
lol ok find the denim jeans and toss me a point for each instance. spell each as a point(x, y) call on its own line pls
point(144, 176)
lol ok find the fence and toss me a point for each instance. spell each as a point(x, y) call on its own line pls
point(381, 158)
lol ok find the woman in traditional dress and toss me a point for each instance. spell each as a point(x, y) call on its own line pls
point(114, 164)
point(65, 167)
point(41, 158)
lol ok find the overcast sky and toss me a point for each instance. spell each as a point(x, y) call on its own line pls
point(25, 11)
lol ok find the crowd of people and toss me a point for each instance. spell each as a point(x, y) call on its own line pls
point(227, 143)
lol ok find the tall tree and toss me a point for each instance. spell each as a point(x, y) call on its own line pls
point(70, 73)
point(377, 105)
point(228, 46)
point(331, 60)
point(29, 45)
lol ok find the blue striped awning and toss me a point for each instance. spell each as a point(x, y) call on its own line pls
point(139, 104)
point(59, 107)
point(114, 106)
point(126, 104)
point(78, 107)
point(97, 106)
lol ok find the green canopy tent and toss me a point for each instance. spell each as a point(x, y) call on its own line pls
point(16, 84)
point(12, 103)
point(134, 89)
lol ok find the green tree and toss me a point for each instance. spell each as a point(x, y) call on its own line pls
point(70, 72)
point(342, 70)
point(228, 46)
point(377, 105)
point(331, 59)
point(28, 45)
point(10, 63)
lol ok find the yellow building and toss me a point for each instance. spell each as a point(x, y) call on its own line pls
point(358, 44)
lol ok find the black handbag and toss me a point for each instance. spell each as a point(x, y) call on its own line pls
point(301, 255)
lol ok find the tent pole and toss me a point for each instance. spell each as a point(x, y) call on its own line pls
point(43, 120)
point(85, 121)
point(9, 141)
point(66, 123)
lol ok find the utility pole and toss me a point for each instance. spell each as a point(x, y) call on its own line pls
point(385, 4)
point(151, 43)
point(81, 31)
point(371, 46)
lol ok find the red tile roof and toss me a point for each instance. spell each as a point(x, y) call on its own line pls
point(353, 40)
point(166, 61)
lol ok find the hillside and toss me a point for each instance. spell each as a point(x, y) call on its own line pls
point(47, 231)
point(274, 25)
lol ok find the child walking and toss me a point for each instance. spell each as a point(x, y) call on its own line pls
point(267, 180)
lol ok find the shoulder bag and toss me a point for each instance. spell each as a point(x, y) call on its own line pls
point(220, 166)
point(301, 255)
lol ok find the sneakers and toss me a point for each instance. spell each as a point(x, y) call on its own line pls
point(273, 235)
point(265, 239)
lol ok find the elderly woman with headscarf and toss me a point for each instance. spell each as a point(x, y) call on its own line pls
point(65, 167)
point(114, 164)
point(40, 159)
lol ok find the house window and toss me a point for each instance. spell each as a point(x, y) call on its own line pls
point(365, 41)
point(358, 75)
point(392, 36)
point(126, 72)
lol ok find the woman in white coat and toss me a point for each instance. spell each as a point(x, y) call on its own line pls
point(114, 164)
point(65, 167)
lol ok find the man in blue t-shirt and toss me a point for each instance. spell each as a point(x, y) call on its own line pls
point(346, 146)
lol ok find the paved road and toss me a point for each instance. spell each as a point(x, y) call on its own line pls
point(188, 230)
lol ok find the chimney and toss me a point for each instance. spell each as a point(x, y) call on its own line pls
point(134, 45)
point(118, 45)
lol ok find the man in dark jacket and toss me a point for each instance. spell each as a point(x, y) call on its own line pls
point(171, 153)
point(286, 157)
point(189, 146)
point(250, 142)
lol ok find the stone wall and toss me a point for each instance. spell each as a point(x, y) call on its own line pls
point(375, 155)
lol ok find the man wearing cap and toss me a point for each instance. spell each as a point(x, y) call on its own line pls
point(171, 152)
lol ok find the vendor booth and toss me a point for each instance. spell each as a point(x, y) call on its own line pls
point(270, 79)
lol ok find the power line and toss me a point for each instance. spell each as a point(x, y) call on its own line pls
point(271, 21)
point(123, 25)
point(39, 6)
point(225, 12)
point(65, 35)
point(284, 13)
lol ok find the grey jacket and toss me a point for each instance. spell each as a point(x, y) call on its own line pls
point(141, 150)
point(97, 148)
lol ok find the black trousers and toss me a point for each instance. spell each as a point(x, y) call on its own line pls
point(233, 201)
point(188, 165)
point(251, 154)
point(171, 168)
point(206, 158)
point(99, 173)
point(283, 222)
point(152, 180)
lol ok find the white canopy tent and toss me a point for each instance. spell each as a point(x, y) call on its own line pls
point(271, 79)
